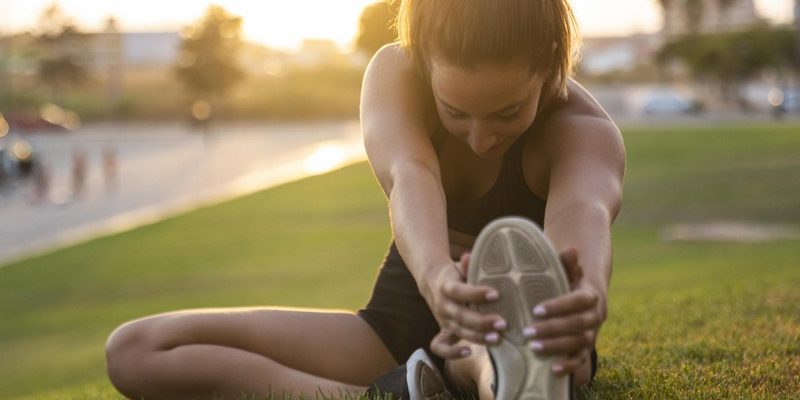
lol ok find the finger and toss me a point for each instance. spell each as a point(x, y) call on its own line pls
point(466, 333)
point(573, 324)
point(471, 319)
point(561, 345)
point(570, 303)
point(571, 363)
point(446, 345)
point(464, 264)
point(461, 292)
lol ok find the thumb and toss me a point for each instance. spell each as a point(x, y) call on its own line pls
point(446, 345)
point(569, 259)
point(463, 265)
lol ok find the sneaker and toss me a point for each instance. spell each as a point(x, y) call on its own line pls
point(513, 256)
point(418, 379)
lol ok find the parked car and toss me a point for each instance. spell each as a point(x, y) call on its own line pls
point(17, 158)
point(787, 103)
point(669, 104)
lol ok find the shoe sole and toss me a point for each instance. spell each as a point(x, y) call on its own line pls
point(424, 380)
point(513, 256)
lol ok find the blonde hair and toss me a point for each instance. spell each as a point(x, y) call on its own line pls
point(475, 33)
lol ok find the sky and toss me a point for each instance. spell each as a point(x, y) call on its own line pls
point(285, 23)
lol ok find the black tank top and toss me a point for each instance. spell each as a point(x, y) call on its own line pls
point(509, 195)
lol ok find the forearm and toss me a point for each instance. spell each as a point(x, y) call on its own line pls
point(588, 230)
point(419, 222)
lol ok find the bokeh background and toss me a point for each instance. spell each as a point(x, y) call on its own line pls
point(165, 155)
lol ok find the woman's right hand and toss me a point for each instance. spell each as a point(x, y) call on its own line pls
point(449, 294)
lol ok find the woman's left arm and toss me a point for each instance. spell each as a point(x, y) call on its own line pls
point(587, 165)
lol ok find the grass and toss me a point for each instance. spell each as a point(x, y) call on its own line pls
point(687, 320)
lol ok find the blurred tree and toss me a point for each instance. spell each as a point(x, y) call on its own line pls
point(57, 35)
point(729, 59)
point(377, 26)
point(208, 61)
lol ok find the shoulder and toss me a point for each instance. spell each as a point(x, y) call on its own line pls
point(391, 55)
point(391, 77)
point(579, 126)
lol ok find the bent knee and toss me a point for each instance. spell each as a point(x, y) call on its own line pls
point(127, 349)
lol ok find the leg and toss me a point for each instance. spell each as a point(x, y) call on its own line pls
point(227, 352)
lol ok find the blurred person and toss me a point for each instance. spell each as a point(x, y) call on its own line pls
point(471, 117)
point(41, 183)
point(80, 165)
point(110, 168)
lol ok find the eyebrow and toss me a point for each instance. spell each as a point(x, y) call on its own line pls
point(506, 108)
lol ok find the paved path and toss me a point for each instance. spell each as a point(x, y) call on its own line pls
point(163, 170)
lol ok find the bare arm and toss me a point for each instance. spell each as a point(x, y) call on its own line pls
point(394, 112)
point(399, 149)
point(586, 172)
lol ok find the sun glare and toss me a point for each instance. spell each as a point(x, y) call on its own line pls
point(278, 24)
point(326, 158)
point(286, 24)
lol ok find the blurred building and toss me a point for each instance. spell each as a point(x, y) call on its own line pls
point(150, 48)
point(680, 17)
point(603, 55)
point(314, 53)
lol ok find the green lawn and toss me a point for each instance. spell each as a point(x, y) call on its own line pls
point(687, 320)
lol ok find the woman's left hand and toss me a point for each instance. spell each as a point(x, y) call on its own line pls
point(567, 326)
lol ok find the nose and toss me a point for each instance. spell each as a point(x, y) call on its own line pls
point(481, 140)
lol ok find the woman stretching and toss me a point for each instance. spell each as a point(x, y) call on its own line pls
point(472, 116)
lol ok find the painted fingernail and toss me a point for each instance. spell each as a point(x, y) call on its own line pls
point(529, 332)
point(558, 368)
point(465, 352)
point(492, 337)
point(499, 325)
point(539, 311)
point(492, 295)
point(536, 346)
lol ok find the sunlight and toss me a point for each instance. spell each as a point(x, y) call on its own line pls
point(326, 158)
point(286, 24)
point(277, 24)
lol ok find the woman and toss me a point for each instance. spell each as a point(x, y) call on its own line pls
point(472, 116)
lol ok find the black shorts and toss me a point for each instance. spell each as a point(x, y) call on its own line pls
point(400, 316)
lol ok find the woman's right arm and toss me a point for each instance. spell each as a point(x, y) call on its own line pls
point(397, 137)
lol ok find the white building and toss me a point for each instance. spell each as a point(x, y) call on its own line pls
point(714, 16)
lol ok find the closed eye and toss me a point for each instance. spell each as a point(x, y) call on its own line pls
point(508, 116)
point(455, 114)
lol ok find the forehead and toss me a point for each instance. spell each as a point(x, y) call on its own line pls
point(487, 86)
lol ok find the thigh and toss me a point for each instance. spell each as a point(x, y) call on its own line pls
point(330, 344)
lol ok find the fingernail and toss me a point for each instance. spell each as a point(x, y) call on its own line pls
point(529, 332)
point(539, 311)
point(499, 325)
point(557, 368)
point(492, 295)
point(492, 337)
point(536, 346)
point(465, 352)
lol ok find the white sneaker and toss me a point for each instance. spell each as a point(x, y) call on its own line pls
point(424, 380)
point(513, 256)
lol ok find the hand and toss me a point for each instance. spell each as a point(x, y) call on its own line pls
point(567, 326)
point(448, 299)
